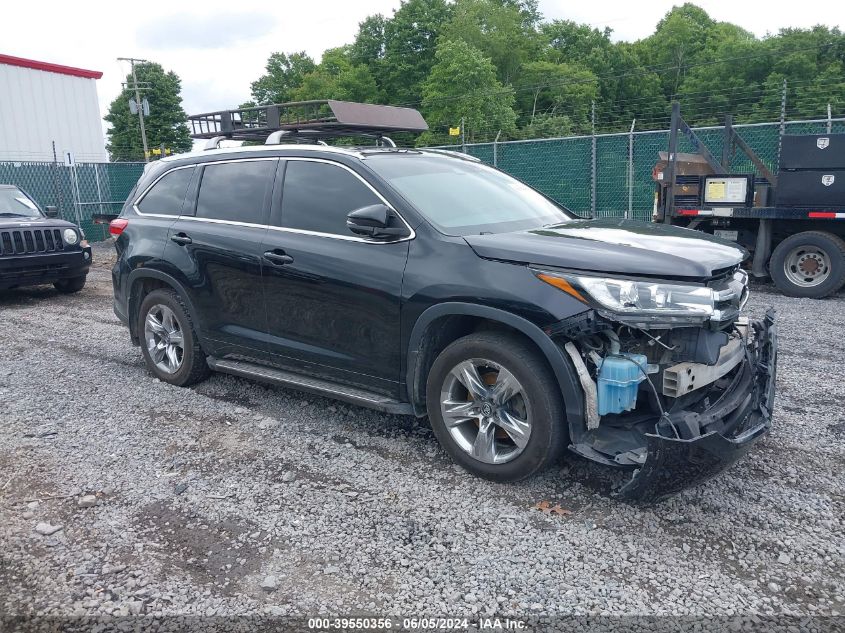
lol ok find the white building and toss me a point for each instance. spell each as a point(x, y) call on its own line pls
point(43, 103)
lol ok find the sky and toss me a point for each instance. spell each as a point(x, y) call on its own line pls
point(218, 48)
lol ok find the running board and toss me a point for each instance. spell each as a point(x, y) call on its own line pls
point(316, 386)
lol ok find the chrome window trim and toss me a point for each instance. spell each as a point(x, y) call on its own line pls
point(153, 184)
point(197, 164)
point(347, 238)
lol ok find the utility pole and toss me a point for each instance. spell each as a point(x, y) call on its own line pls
point(132, 61)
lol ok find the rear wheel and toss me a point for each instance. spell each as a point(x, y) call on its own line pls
point(68, 286)
point(809, 264)
point(168, 341)
point(495, 406)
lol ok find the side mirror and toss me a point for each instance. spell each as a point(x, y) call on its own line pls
point(375, 220)
point(51, 211)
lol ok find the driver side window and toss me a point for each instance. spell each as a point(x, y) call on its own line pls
point(318, 196)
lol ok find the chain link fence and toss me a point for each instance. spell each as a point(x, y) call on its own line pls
point(79, 191)
point(612, 180)
point(618, 182)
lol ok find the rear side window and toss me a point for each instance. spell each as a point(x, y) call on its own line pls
point(167, 195)
point(236, 191)
point(318, 196)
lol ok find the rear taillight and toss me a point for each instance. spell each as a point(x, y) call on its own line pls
point(117, 225)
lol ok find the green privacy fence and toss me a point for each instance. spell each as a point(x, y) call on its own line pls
point(79, 191)
point(564, 169)
point(617, 183)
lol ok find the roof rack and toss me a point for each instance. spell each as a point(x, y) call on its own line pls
point(309, 121)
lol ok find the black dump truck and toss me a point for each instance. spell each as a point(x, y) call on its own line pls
point(793, 221)
point(36, 247)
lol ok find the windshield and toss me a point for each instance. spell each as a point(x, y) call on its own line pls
point(14, 203)
point(461, 197)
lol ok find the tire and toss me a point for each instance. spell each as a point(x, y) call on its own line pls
point(169, 312)
point(538, 402)
point(809, 264)
point(68, 286)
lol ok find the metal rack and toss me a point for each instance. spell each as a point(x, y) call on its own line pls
point(309, 121)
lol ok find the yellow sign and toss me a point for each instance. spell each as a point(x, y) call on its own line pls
point(716, 190)
point(454, 131)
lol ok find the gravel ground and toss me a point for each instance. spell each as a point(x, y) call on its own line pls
point(237, 498)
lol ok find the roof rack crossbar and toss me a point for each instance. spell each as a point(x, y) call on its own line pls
point(326, 118)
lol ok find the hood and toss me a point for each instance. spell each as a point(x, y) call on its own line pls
point(35, 223)
point(625, 247)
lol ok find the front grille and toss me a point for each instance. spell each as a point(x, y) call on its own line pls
point(30, 241)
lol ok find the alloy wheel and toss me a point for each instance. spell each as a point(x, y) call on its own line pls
point(164, 339)
point(485, 411)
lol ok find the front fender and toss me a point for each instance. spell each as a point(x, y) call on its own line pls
point(564, 372)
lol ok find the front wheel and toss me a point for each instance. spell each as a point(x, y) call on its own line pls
point(495, 406)
point(809, 264)
point(68, 286)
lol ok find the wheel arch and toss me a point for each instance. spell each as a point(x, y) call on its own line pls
point(141, 282)
point(450, 320)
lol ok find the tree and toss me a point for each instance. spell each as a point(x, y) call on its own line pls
point(677, 43)
point(336, 77)
point(503, 30)
point(368, 47)
point(463, 85)
point(571, 42)
point(285, 74)
point(557, 90)
point(711, 90)
point(166, 123)
point(410, 42)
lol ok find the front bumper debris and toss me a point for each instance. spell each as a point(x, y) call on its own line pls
point(673, 464)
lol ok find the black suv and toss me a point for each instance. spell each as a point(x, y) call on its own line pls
point(423, 282)
point(37, 248)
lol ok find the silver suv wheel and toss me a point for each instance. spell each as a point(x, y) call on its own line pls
point(485, 412)
point(164, 339)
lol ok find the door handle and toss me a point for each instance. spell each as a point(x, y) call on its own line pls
point(181, 238)
point(278, 259)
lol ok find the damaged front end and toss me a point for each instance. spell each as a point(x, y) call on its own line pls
point(675, 399)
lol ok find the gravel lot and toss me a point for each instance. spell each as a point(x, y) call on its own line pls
point(198, 497)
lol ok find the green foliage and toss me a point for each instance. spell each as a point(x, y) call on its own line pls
point(336, 77)
point(504, 31)
point(285, 73)
point(546, 76)
point(410, 42)
point(557, 90)
point(463, 85)
point(165, 123)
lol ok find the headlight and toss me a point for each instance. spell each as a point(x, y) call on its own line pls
point(71, 236)
point(647, 298)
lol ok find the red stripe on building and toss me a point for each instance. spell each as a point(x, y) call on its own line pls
point(828, 215)
point(9, 60)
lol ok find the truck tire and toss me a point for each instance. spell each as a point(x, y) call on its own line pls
point(809, 264)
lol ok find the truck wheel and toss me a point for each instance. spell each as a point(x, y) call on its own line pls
point(809, 264)
point(67, 286)
point(495, 406)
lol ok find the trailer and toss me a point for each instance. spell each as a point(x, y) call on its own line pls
point(792, 221)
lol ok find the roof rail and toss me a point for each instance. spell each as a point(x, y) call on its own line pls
point(306, 120)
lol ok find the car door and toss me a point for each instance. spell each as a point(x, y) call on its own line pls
point(216, 247)
point(332, 298)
